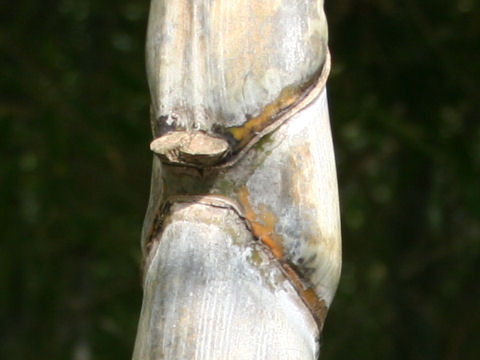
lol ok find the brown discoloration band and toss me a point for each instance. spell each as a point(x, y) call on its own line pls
point(288, 97)
point(263, 229)
point(315, 305)
point(290, 101)
point(265, 232)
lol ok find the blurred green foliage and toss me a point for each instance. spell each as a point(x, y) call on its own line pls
point(405, 105)
point(74, 177)
point(74, 170)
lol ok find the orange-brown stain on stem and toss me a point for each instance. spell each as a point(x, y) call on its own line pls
point(317, 307)
point(263, 226)
point(263, 229)
point(245, 132)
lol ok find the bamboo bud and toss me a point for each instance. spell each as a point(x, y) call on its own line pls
point(190, 148)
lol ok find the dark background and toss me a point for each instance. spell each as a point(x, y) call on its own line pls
point(75, 165)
